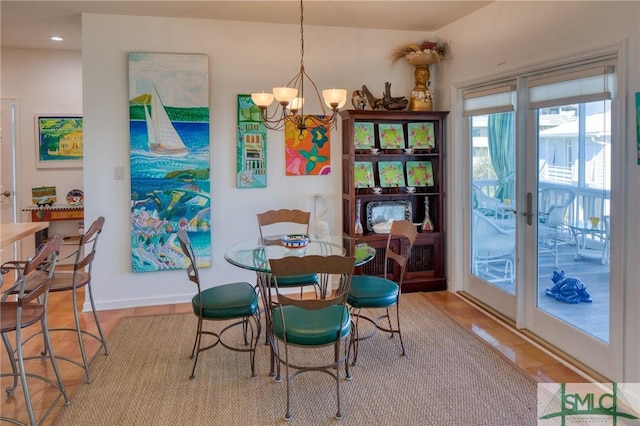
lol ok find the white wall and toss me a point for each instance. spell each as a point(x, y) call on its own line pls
point(43, 82)
point(243, 58)
point(507, 36)
point(248, 57)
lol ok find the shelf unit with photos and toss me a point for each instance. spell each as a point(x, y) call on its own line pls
point(392, 170)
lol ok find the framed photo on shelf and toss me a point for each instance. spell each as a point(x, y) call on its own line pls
point(58, 141)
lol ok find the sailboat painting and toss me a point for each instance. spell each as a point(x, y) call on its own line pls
point(170, 162)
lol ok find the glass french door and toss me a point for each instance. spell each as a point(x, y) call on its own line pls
point(569, 219)
point(540, 216)
point(492, 182)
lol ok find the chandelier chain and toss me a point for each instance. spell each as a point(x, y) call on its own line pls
point(291, 99)
point(301, 34)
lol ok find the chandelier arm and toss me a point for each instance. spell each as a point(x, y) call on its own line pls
point(320, 99)
point(291, 112)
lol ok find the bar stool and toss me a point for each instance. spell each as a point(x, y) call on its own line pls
point(29, 308)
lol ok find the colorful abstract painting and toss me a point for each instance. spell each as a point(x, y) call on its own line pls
point(169, 143)
point(308, 152)
point(251, 156)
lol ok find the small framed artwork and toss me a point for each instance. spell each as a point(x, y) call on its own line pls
point(363, 136)
point(58, 141)
point(391, 136)
point(391, 174)
point(421, 135)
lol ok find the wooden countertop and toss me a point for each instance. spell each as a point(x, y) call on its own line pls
point(12, 232)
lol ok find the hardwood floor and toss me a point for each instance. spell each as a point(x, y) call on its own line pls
point(534, 361)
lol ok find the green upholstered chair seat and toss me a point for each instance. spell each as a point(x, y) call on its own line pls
point(311, 327)
point(296, 281)
point(372, 292)
point(227, 301)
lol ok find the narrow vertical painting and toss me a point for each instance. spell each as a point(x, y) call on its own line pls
point(251, 156)
point(308, 151)
point(169, 138)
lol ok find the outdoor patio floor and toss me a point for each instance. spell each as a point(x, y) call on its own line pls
point(592, 318)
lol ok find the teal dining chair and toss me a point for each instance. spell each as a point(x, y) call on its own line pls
point(379, 292)
point(312, 323)
point(287, 221)
point(227, 302)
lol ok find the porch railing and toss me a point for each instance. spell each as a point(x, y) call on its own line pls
point(588, 202)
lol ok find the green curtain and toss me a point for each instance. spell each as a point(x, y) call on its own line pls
point(502, 152)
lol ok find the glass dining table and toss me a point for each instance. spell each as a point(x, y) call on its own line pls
point(254, 254)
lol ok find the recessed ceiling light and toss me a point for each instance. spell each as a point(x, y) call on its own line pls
point(56, 38)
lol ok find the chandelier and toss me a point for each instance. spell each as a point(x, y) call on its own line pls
point(291, 99)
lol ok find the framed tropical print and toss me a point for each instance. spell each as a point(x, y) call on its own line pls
point(58, 141)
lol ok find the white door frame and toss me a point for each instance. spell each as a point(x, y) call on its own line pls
point(606, 359)
point(10, 168)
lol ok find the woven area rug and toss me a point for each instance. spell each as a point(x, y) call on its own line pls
point(449, 377)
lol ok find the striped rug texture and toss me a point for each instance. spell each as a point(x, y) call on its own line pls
point(448, 377)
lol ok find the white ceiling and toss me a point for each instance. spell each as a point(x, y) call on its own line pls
point(29, 24)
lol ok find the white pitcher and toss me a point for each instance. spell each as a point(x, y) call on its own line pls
point(319, 209)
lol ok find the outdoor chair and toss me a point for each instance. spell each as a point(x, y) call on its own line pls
point(312, 323)
point(379, 292)
point(553, 205)
point(493, 243)
point(29, 307)
point(237, 302)
point(481, 202)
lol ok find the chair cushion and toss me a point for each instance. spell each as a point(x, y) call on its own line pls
point(296, 280)
point(372, 292)
point(311, 327)
point(232, 300)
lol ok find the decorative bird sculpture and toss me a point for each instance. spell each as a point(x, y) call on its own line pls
point(375, 103)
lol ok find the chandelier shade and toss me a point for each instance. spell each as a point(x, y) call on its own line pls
point(291, 99)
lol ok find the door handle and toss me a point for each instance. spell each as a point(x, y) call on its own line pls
point(529, 214)
point(7, 194)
